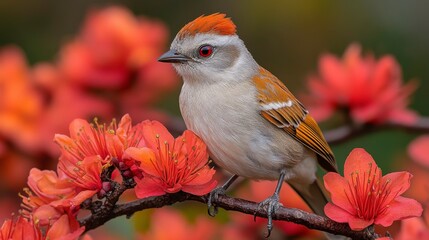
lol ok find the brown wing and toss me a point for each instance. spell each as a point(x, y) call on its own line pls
point(281, 108)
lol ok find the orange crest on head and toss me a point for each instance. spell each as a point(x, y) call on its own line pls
point(216, 23)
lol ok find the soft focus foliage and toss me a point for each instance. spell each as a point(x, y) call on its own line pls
point(364, 197)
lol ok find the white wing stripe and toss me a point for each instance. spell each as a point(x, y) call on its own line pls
point(276, 105)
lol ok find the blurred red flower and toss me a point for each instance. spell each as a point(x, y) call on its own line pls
point(112, 48)
point(371, 90)
point(102, 55)
point(167, 224)
point(19, 115)
point(20, 111)
point(20, 228)
point(419, 150)
point(171, 165)
point(65, 228)
point(110, 68)
point(68, 103)
point(414, 228)
point(364, 197)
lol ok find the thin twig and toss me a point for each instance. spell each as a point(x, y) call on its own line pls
point(343, 133)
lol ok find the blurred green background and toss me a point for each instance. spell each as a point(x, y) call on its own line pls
point(286, 37)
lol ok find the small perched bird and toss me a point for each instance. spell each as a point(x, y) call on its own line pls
point(252, 124)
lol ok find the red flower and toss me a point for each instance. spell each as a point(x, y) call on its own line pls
point(20, 228)
point(414, 228)
point(84, 176)
point(171, 165)
point(48, 187)
point(364, 197)
point(106, 141)
point(68, 103)
point(419, 150)
point(371, 90)
point(19, 115)
point(178, 227)
point(50, 195)
point(65, 228)
point(111, 47)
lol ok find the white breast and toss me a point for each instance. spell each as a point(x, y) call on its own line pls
point(239, 139)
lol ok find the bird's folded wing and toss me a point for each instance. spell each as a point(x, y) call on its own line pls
point(282, 109)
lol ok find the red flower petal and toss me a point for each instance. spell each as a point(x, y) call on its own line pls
point(65, 229)
point(386, 71)
point(148, 187)
point(78, 126)
point(200, 189)
point(82, 196)
point(340, 215)
point(419, 150)
point(195, 147)
point(155, 134)
point(398, 183)
point(321, 112)
point(371, 90)
point(332, 72)
point(204, 176)
point(413, 228)
point(146, 157)
point(364, 197)
point(358, 161)
point(337, 186)
point(399, 209)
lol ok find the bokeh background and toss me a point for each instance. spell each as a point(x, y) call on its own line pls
point(286, 37)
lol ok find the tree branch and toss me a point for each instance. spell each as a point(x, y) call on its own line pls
point(309, 220)
point(343, 133)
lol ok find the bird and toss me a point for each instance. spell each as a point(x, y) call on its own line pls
point(253, 126)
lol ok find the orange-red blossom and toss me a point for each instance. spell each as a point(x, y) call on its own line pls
point(146, 152)
point(364, 197)
point(65, 228)
point(370, 89)
point(171, 165)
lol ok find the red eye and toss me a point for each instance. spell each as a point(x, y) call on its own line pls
point(205, 50)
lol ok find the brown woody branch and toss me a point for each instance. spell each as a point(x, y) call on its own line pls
point(351, 130)
point(309, 220)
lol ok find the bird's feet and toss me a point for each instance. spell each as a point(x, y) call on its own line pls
point(271, 204)
point(213, 195)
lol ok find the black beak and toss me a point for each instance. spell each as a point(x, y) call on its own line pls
point(173, 56)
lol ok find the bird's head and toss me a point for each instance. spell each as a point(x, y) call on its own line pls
point(208, 50)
